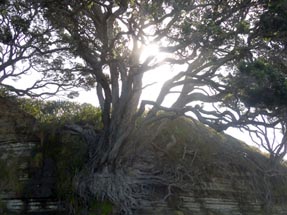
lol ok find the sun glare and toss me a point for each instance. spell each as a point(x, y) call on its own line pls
point(156, 77)
point(150, 50)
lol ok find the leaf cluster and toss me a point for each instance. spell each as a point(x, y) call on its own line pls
point(260, 84)
point(273, 21)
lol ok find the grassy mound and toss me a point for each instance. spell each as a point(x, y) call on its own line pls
point(188, 157)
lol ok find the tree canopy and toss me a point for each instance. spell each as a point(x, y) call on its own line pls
point(231, 56)
point(232, 53)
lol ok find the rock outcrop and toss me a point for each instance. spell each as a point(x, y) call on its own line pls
point(27, 179)
point(209, 173)
point(188, 168)
point(181, 167)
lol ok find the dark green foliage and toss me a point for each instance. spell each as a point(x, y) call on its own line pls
point(70, 154)
point(273, 22)
point(260, 84)
point(9, 176)
point(100, 208)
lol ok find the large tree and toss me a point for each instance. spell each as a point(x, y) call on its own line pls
point(232, 57)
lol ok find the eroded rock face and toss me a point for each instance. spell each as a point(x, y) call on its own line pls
point(16, 130)
point(180, 167)
point(27, 179)
point(194, 170)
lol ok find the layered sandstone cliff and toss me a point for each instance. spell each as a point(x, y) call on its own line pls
point(26, 178)
point(200, 171)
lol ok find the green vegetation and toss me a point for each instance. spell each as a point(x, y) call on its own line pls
point(232, 60)
point(62, 112)
point(68, 151)
point(100, 208)
point(206, 141)
point(10, 174)
point(261, 78)
point(70, 154)
point(206, 155)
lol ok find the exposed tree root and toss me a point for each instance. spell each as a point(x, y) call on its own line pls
point(134, 182)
